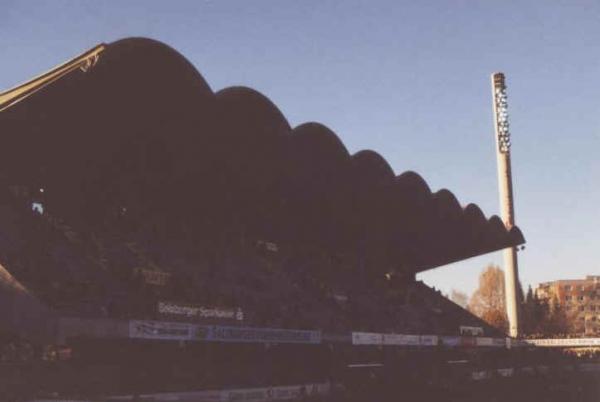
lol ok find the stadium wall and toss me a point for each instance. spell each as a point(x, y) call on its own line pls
point(23, 315)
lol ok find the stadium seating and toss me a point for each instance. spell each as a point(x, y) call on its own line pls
point(113, 273)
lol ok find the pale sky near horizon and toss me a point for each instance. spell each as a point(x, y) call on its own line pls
point(409, 80)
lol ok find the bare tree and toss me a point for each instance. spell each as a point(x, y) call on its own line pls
point(488, 300)
point(459, 298)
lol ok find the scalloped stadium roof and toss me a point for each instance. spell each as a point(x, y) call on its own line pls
point(142, 130)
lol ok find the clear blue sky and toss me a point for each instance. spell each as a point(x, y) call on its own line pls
point(407, 79)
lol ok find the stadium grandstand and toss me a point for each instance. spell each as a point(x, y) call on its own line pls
point(157, 236)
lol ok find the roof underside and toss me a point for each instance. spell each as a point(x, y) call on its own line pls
point(134, 127)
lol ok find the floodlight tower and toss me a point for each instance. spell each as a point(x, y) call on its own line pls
point(511, 272)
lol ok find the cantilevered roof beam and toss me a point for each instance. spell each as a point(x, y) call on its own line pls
point(82, 62)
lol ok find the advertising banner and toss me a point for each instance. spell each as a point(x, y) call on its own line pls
point(472, 331)
point(517, 342)
point(160, 330)
point(215, 333)
point(564, 342)
point(499, 342)
point(401, 340)
point(480, 375)
point(451, 341)
point(367, 338)
point(467, 341)
point(68, 327)
point(392, 339)
point(428, 340)
point(506, 372)
point(410, 340)
point(154, 277)
point(265, 394)
point(243, 334)
point(198, 313)
point(484, 341)
point(284, 393)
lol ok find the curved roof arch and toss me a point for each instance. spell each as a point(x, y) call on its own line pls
point(257, 108)
point(319, 141)
point(143, 58)
point(370, 167)
point(474, 215)
point(412, 183)
point(447, 205)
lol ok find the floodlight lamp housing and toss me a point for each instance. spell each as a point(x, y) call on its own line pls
point(501, 113)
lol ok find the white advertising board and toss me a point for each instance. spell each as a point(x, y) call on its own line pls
point(265, 394)
point(565, 342)
point(484, 341)
point(401, 340)
point(367, 338)
point(160, 330)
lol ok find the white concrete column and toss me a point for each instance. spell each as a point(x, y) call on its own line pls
point(511, 272)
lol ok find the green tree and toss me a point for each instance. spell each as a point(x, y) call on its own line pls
point(532, 313)
point(545, 317)
point(557, 320)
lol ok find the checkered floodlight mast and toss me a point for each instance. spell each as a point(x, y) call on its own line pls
point(511, 274)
